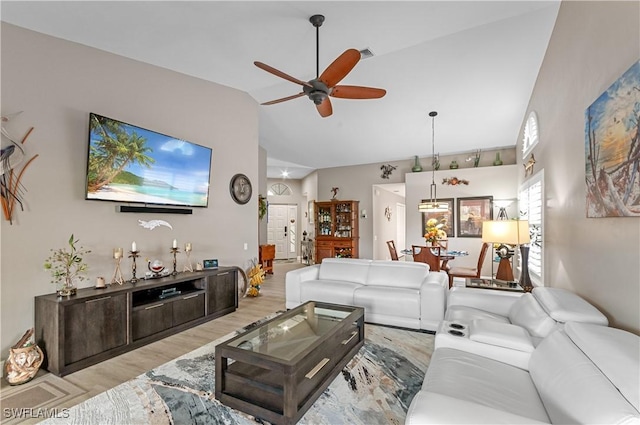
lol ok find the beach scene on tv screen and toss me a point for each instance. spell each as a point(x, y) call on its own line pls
point(130, 164)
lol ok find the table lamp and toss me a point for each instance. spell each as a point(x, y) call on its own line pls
point(509, 232)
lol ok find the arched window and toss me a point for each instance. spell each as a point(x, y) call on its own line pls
point(279, 189)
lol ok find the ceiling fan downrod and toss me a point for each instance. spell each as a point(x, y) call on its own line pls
point(316, 21)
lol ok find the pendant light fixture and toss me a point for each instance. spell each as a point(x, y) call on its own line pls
point(432, 205)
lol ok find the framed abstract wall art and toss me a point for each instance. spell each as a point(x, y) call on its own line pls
point(612, 149)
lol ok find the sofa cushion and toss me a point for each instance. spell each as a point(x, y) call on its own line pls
point(398, 274)
point(344, 269)
point(614, 352)
point(485, 382)
point(388, 301)
point(565, 306)
point(464, 314)
point(526, 312)
point(329, 291)
point(572, 388)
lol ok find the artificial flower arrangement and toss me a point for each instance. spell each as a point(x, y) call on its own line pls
point(436, 230)
point(256, 277)
point(67, 266)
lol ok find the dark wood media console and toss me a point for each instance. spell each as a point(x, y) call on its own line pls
point(98, 324)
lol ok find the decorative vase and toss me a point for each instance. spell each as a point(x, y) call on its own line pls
point(67, 288)
point(453, 165)
point(416, 166)
point(498, 161)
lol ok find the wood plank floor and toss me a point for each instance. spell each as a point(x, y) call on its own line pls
point(108, 374)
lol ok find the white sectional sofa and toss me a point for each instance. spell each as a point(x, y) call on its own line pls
point(581, 374)
point(403, 294)
point(507, 328)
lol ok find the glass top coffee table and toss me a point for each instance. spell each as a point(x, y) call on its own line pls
point(276, 370)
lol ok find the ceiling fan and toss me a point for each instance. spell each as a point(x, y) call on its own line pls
point(325, 85)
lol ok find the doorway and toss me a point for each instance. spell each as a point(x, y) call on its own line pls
point(282, 230)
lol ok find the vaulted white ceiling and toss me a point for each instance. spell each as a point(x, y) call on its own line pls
point(475, 62)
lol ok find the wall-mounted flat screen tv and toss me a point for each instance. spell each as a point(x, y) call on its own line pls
point(134, 165)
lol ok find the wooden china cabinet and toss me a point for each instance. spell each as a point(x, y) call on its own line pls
point(336, 229)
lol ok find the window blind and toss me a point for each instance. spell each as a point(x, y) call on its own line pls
point(530, 204)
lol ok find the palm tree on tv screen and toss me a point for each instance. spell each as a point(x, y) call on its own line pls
point(113, 151)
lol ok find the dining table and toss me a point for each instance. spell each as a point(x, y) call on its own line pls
point(445, 256)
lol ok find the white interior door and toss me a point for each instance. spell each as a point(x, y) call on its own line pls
point(282, 230)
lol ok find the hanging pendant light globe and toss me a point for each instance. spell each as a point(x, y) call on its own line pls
point(432, 204)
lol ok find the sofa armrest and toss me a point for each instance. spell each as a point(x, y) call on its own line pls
point(497, 302)
point(500, 334)
point(293, 280)
point(433, 300)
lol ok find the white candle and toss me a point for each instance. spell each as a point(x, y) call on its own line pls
point(133, 247)
point(187, 246)
point(175, 243)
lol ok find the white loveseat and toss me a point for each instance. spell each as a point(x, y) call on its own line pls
point(507, 328)
point(403, 294)
point(582, 374)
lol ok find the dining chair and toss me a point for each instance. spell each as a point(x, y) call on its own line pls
point(392, 250)
point(469, 272)
point(427, 254)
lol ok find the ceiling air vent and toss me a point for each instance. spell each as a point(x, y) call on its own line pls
point(366, 53)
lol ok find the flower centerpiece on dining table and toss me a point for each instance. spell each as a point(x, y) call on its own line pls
point(436, 231)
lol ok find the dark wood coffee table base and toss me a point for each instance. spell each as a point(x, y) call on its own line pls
point(281, 391)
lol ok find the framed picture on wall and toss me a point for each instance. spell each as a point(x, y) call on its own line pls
point(471, 213)
point(446, 217)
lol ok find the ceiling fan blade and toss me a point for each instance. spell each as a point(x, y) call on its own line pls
point(281, 74)
point(284, 99)
point(357, 92)
point(340, 67)
point(324, 108)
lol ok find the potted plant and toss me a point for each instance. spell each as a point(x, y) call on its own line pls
point(66, 266)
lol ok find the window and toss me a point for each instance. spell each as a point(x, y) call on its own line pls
point(530, 137)
point(280, 189)
point(531, 207)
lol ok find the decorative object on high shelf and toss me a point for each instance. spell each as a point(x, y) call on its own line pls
point(324, 85)
point(67, 266)
point(117, 273)
point(472, 212)
point(432, 205)
point(435, 231)
point(528, 166)
point(416, 165)
point(334, 191)
point(387, 170)
point(11, 156)
point(256, 276)
point(612, 150)
point(187, 250)
point(475, 157)
point(240, 189)
point(508, 234)
point(262, 206)
point(436, 162)
point(152, 224)
point(24, 361)
point(453, 165)
point(445, 217)
point(453, 181)
point(497, 161)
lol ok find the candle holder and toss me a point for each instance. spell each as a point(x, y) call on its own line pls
point(117, 273)
point(174, 251)
point(133, 255)
point(187, 266)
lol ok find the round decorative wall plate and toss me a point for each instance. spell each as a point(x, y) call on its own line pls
point(240, 188)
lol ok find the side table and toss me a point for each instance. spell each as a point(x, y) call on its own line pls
point(267, 253)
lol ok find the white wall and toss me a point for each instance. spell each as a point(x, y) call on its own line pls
point(593, 44)
point(384, 229)
point(499, 182)
point(57, 83)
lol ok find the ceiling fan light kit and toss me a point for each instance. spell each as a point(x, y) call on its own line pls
point(325, 85)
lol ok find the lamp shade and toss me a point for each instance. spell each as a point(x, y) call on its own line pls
point(510, 232)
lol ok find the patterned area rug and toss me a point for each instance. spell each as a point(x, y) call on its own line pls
point(376, 387)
